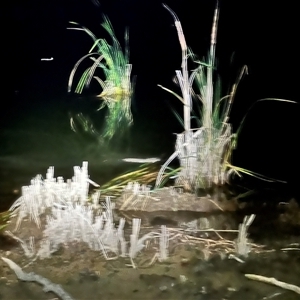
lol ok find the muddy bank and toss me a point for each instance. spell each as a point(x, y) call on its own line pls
point(201, 264)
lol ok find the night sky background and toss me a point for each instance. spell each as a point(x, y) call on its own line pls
point(262, 34)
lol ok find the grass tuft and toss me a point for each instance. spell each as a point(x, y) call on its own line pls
point(117, 86)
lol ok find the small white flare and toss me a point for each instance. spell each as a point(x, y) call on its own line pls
point(47, 59)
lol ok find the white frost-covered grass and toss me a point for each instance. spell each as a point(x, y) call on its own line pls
point(71, 217)
point(52, 192)
point(66, 214)
point(79, 223)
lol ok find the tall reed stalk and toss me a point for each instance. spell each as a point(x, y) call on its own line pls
point(205, 151)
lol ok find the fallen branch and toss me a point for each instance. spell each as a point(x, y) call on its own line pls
point(48, 285)
point(272, 280)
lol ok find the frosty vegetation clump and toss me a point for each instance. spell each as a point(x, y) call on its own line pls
point(77, 223)
point(49, 192)
point(66, 214)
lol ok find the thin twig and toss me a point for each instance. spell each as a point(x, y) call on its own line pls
point(274, 281)
point(48, 285)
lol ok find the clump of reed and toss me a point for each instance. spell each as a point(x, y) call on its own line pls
point(205, 152)
point(117, 85)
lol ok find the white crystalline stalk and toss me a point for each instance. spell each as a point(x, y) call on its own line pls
point(201, 156)
point(82, 179)
point(29, 249)
point(136, 244)
point(42, 194)
point(129, 186)
point(109, 209)
point(121, 237)
point(50, 174)
point(164, 243)
point(163, 168)
point(30, 204)
point(109, 234)
point(136, 188)
point(145, 190)
point(134, 249)
point(182, 75)
point(241, 243)
point(95, 199)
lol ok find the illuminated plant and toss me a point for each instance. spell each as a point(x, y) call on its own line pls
point(204, 152)
point(116, 87)
point(4, 218)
